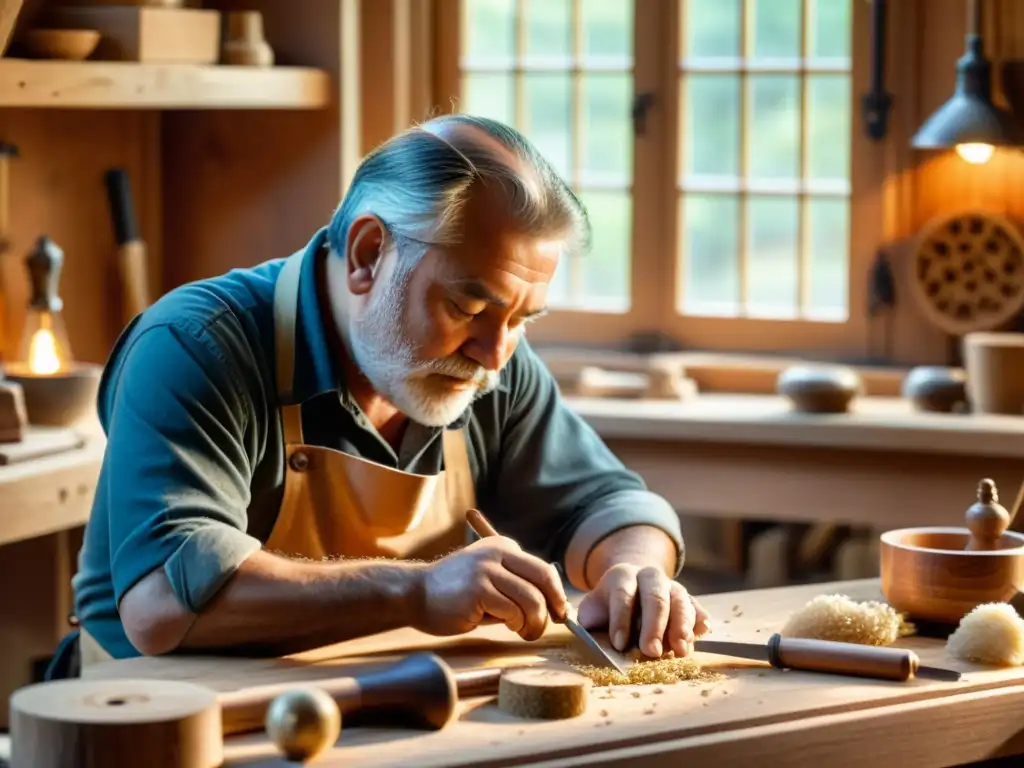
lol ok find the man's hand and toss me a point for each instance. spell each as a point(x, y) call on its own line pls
point(491, 580)
point(669, 618)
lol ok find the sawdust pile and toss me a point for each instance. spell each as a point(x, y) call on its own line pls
point(992, 633)
point(643, 671)
point(837, 617)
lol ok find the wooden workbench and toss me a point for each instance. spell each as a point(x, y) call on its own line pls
point(750, 457)
point(754, 713)
point(44, 505)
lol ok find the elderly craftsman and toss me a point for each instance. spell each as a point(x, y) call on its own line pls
point(292, 448)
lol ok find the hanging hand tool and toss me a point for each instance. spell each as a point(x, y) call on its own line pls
point(593, 649)
point(7, 151)
point(130, 245)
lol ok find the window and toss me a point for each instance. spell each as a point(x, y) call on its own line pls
point(713, 143)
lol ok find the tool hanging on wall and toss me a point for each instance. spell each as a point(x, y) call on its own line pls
point(882, 299)
point(7, 151)
point(877, 103)
point(130, 245)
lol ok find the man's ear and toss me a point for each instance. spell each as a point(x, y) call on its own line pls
point(364, 251)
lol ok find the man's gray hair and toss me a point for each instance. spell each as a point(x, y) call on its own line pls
point(417, 183)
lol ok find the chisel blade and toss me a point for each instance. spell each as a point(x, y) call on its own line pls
point(598, 656)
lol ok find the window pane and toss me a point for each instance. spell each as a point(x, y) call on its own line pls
point(773, 127)
point(711, 125)
point(607, 29)
point(711, 29)
point(828, 124)
point(829, 236)
point(830, 28)
point(489, 96)
point(607, 130)
point(547, 118)
point(558, 288)
point(489, 31)
point(606, 270)
point(776, 29)
point(772, 267)
point(710, 254)
point(549, 31)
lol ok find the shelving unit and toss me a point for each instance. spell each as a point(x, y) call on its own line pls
point(229, 166)
point(117, 85)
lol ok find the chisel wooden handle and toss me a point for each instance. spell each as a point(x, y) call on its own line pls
point(842, 658)
point(421, 688)
point(131, 248)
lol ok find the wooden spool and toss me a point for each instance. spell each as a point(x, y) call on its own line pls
point(115, 724)
point(543, 693)
point(968, 272)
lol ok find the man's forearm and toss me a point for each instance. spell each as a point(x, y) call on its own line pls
point(640, 545)
point(275, 606)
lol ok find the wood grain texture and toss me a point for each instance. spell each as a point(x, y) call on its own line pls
point(753, 708)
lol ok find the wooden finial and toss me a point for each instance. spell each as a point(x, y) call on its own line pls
point(987, 519)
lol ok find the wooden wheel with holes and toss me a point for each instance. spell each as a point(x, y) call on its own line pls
point(967, 273)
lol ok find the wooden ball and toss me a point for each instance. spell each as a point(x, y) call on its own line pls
point(543, 693)
point(303, 723)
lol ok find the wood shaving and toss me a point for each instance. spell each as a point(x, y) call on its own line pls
point(837, 617)
point(991, 633)
point(666, 671)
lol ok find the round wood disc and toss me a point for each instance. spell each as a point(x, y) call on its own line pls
point(116, 724)
point(967, 273)
point(543, 693)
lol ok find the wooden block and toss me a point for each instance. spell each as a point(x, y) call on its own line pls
point(543, 693)
point(9, 10)
point(13, 414)
point(151, 35)
point(38, 442)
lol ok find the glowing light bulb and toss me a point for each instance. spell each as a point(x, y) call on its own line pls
point(975, 154)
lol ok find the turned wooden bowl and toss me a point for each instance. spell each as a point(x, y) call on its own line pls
point(66, 44)
point(58, 399)
point(927, 574)
point(936, 388)
point(819, 388)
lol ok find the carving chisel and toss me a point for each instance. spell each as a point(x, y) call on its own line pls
point(131, 248)
point(483, 529)
point(879, 662)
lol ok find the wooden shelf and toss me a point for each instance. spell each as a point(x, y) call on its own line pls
point(123, 85)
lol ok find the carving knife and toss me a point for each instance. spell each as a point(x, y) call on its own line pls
point(593, 649)
point(131, 248)
point(880, 662)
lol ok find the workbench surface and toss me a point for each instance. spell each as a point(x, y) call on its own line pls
point(755, 713)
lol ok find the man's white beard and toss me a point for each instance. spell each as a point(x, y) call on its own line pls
point(388, 360)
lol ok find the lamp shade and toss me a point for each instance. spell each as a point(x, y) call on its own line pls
point(970, 116)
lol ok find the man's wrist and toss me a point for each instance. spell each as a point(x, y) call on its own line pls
point(638, 545)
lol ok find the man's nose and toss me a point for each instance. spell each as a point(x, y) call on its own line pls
point(490, 349)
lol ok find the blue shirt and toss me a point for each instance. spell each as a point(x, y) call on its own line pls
point(194, 465)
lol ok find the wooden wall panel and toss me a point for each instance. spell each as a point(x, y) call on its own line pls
point(927, 39)
point(57, 189)
point(241, 187)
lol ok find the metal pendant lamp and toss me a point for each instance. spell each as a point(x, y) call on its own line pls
point(970, 121)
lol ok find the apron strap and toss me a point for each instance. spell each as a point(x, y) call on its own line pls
point(286, 307)
point(460, 486)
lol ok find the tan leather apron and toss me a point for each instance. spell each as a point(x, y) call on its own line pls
point(336, 505)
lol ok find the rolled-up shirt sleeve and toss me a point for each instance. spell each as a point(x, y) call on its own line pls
point(179, 463)
point(559, 487)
